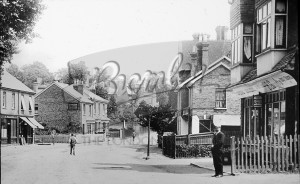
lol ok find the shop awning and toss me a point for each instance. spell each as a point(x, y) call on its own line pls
point(36, 123)
point(227, 120)
point(271, 82)
point(28, 122)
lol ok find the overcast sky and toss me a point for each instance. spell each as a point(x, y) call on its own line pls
point(70, 29)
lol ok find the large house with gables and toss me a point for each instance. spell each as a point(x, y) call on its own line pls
point(61, 105)
point(203, 100)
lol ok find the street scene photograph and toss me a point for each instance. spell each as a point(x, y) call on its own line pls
point(149, 91)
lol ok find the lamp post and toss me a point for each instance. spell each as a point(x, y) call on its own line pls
point(148, 146)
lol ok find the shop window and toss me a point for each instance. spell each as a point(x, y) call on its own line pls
point(73, 106)
point(13, 125)
point(275, 113)
point(4, 100)
point(3, 128)
point(220, 100)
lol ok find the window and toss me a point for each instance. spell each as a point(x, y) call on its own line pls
point(90, 110)
point(265, 23)
point(84, 109)
point(236, 44)
point(13, 129)
point(99, 111)
point(4, 100)
point(36, 108)
point(73, 106)
point(220, 98)
point(95, 108)
point(275, 111)
point(30, 104)
point(23, 107)
point(13, 104)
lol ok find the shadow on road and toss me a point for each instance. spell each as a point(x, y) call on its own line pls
point(175, 169)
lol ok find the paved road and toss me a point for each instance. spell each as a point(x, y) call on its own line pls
point(110, 163)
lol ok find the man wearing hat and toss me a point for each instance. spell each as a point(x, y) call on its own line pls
point(217, 151)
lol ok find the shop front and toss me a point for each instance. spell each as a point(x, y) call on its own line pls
point(269, 106)
point(9, 130)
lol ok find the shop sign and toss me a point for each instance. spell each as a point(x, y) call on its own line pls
point(279, 80)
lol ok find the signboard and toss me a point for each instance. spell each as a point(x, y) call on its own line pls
point(276, 81)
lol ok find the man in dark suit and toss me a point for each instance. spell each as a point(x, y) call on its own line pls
point(217, 151)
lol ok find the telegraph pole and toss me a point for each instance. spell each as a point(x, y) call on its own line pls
point(148, 146)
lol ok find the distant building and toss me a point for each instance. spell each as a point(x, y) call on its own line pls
point(61, 105)
point(17, 111)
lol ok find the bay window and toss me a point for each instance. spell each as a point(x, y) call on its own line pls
point(268, 20)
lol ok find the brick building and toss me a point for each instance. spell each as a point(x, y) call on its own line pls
point(60, 106)
point(202, 99)
point(265, 65)
point(17, 111)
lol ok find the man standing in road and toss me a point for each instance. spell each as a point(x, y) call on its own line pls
point(133, 135)
point(72, 142)
point(217, 151)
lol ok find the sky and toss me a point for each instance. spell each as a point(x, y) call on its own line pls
point(70, 29)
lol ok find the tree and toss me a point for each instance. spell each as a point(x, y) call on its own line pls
point(160, 117)
point(17, 20)
point(77, 71)
point(101, 91)
point(125, 113)
point(112, 107)
point(16, 72)
point(62, 75)
point(29, 73)
point(36, 70)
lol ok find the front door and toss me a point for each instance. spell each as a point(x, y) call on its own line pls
point(8, 131)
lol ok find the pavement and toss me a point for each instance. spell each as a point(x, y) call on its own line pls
point(115, 161)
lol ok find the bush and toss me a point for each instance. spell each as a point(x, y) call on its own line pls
point(193, 150)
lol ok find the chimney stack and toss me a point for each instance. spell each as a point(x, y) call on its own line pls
point(78, 87)
point(203, 52)
point(35, 86)
point(221, 32)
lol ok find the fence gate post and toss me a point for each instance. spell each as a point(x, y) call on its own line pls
point(232, 150)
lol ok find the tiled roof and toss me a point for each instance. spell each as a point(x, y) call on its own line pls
point(284, 63)
point(10, 82)
point(216, 49)
point(90, 94)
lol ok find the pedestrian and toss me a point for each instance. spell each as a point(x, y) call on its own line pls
point(217, 151)
point(53, 136)
point(133, 135)
point(72, 142)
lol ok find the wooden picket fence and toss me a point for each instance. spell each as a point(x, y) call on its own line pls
point(265, 154)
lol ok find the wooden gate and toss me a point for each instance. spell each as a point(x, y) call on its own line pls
point(265, 154)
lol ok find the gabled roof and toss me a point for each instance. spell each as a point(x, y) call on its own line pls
point(10, 82)
point(190, 81)
point(283, 64)
point(70, 90)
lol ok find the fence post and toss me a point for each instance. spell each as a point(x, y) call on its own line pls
point(162, 144)
point(232, 150)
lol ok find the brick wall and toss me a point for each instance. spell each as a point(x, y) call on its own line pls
point(53, 108)
point(204, 94)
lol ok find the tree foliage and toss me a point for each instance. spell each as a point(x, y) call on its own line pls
point(17, 20)
point(101, 91)
point(77, 71)
point(160, 117)
point(125, 113)
point(29, 73)
point(62, 75)
point(112, 107)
